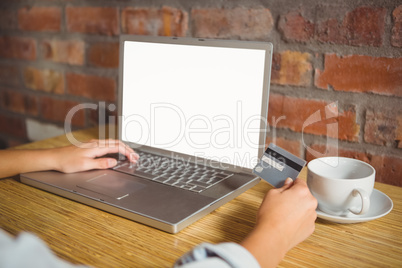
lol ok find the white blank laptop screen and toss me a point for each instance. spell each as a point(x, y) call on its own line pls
point(194, 100)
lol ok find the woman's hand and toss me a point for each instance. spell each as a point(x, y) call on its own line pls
point(74, 159)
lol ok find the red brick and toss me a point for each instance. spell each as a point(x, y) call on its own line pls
point(39, 19)
point(293, 113)
point(9, 75)
point(399, 132)
point(396, 38)
point(362, 26)
point(291, 68)
point(330, 31)
point(357, 73)
point(93, 20)
point(381, 127)
point(104, 55)
point(44, 80)
point(294, 27)
point(319, 150)
point(64, 51)
point(57, 110)
point(365, 26)
point(292, 146)
point(166, 21)
point(388, 168)
point(19, 102)
point(8, 19)
point(109, 116)
point(12, 47)
point(13, 125)
point(238, 22)
point(91, 86)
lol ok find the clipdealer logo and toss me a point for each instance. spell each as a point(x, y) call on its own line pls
point(236, 131)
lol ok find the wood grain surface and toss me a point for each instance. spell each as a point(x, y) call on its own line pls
point(85, 235)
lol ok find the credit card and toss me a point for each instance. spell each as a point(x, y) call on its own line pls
point(277, 164)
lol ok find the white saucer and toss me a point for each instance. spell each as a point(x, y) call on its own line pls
point(380, 205)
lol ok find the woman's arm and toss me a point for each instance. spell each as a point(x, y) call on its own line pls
point(286, 217)
point(65, 159)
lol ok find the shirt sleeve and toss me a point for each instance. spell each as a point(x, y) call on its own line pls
point(224, 255)
point(27, 250)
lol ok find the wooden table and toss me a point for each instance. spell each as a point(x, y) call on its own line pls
point(82, 234)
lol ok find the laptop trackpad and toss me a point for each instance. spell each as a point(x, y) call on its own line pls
point(112, 186)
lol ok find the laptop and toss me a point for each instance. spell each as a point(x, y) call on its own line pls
point(196, 112)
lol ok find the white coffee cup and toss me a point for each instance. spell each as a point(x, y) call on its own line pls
point(341, 185)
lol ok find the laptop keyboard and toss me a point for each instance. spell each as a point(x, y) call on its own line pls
point(173, 172)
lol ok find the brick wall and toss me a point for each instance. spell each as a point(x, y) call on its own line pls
point(55, 54)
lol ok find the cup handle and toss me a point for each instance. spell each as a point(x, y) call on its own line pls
point(365, 201)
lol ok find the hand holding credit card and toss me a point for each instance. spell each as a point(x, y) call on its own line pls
point(276, 165)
